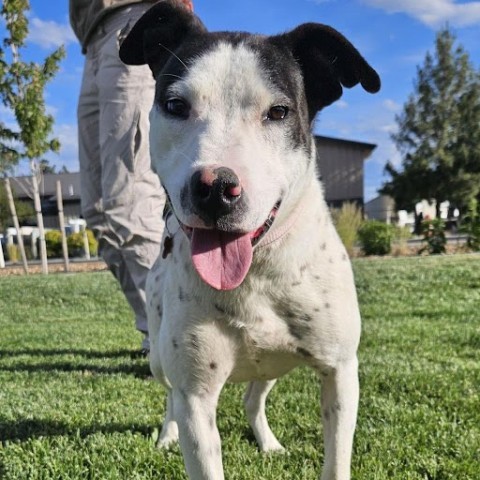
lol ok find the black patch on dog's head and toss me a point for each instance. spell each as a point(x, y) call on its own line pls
point(158, 33)
point(169, 36)
point(310, 65)
point(328, 61)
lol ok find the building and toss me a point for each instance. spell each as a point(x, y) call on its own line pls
point(70, 184)
point(382, 208)
point(340, 165)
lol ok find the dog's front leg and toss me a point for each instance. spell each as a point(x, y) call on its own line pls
point(169, 433)
point(255, 399)
point(340, 394)
point(199, 437)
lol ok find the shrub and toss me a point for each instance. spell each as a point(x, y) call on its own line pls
point(434, 235)
point(53, 239)
point(375, 237)
point(13, 252)
point(76, 247)
point(347, 221)
point(471, 226)
point(401, 235)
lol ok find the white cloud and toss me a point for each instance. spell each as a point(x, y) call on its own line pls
point(68, 154)
point(49, 34)
point(341, 104)
point(391, 105)
point(433, 13)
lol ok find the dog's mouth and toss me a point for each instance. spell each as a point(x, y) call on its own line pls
point(222, 259)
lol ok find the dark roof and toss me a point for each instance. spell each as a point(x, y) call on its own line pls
point(364, 146)
point(47, 185)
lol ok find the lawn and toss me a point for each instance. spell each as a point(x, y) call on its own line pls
point(76, 403)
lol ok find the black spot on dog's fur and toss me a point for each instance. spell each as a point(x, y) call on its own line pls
point(224, 310)
point(183, 296)
point(298, 331)
point(174, 343)
point(304, 353)
point(194, 341)
point(219, 308)
point(305, 317)
point(213, 365)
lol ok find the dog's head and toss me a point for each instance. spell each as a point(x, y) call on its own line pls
point(230, 132)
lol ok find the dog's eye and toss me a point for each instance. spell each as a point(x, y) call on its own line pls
point(177, 107)
point(277, 112)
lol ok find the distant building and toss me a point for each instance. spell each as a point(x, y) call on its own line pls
point(381, 208)
point(340, 164)
point(70, 182)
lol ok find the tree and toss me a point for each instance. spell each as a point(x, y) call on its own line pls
point(22, 86)
point(24, 210)
point(438, 132)
point(46, 167)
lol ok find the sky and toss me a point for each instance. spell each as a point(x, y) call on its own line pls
point(393, 35)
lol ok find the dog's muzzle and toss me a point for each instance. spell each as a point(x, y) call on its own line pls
point(221, 255)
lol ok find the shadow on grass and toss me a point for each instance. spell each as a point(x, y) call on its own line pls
point(23, 430)
point(69, 351)
point(136, 368)
point(141, 371)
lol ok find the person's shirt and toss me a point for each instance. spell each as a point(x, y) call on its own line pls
point(85, 15)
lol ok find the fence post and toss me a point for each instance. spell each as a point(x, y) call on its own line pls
point(16, 224)
point(2, 258)
point(61, 221)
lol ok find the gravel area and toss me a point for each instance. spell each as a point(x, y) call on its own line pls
point(54, 267)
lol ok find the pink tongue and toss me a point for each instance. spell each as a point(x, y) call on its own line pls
point(221, 259)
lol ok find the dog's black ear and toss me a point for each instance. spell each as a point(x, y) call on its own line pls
point(157, 34)
point(328, 61)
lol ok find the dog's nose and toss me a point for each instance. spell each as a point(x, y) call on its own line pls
point(215, 192)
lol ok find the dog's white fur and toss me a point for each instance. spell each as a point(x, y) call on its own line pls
point(230, 140)
point(296, 306)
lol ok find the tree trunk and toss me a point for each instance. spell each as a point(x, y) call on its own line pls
point(16, 224)
point(61, 221)
point(38, 211)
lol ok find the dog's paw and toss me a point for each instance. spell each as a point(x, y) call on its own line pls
point(272, 446)
point(166, 443)
point(168, 436)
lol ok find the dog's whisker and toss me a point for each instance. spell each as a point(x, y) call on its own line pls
point(170, 75)
point(175, 55)
point(183, 154)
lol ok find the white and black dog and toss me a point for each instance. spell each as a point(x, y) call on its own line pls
point(253, 279)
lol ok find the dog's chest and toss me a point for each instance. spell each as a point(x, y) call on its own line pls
point(272, 335)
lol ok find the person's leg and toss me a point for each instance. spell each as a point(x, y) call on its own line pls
point(132, 196)
point(89, 146)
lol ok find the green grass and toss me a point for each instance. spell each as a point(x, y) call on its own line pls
point(76, 404)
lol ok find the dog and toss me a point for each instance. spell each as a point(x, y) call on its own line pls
point(252, 280)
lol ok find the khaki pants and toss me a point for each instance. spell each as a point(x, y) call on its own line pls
point(122, 200)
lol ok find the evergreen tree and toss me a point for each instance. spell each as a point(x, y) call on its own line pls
point(439, 132)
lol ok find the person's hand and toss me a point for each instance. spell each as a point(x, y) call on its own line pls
point(188, 4)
